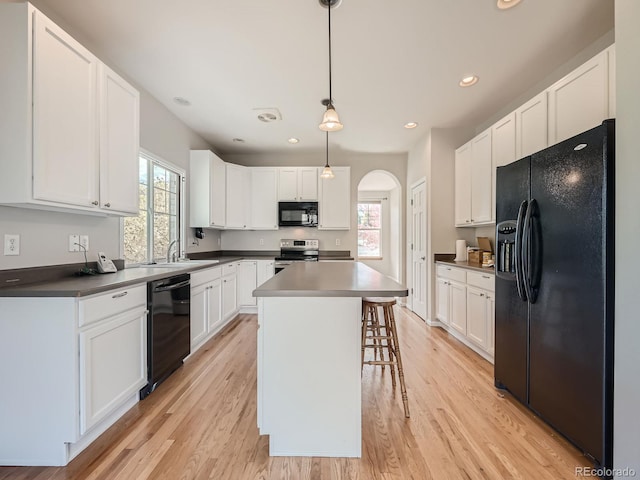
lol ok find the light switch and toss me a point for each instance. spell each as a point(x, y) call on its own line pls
point(12, 244)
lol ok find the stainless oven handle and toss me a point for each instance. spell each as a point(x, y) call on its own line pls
point(172, 287)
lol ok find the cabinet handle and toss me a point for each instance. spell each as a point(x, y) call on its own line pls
point(486, 276)
point(448, 269)
point(107, 205)
point(95, 202)
point(482, 294)
point(118, 295)
point(488, 297)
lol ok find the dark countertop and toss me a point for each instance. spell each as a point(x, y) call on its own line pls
point(466, 265)
point(330, 279)
point(90, 285)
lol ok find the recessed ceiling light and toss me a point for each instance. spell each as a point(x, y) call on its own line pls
point(182, 101)
point(468, 81)
point(238, 140)
point(293, 140)
point(410, 125)
point(504, 4)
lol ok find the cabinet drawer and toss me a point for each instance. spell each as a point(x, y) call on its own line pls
point(452, 273)
point(485, 281)
point(205, 276)
point(112, 303)
point(229, 268)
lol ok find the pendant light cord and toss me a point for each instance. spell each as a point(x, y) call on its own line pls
point(330, 96)
point(327, 150)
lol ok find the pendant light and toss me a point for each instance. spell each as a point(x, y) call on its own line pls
point(326, 171)
point(330, 120)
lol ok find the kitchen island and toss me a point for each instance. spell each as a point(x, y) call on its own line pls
point(309, 345)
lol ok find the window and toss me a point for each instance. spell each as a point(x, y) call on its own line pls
point(148, 236)
point(369, 229)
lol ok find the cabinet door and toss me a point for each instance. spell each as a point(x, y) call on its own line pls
point(247, 278)
point(119, 142)
point(491, 323)
point(611, 52)
point(482, 210)
point(65, 147)
point(580, 100)
point(334, 205)
point(218, 192)
point(477, 316)
point(266, 270)
point(229, 296)
point(199, 313)
point(237, 196)
point(442, 300)
point(308, 184)
point(287, 184)
point(532, 126)
point(108, 379)
point(503, 141)
point(264, 198)
point(462, 185)
point(215, 305)
point(458, 307)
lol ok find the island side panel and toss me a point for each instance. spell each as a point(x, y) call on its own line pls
point(309, 391)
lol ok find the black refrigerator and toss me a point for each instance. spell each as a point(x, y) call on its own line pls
point(554, 287)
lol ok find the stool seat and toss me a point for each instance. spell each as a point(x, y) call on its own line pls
point(383, 338)
point(380, 301)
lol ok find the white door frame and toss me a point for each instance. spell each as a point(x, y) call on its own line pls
point(418, 246)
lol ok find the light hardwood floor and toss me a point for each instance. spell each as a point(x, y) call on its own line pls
point(201, 423)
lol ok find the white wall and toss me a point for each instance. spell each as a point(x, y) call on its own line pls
point(627, 305)
point(360, 163)
point(44, 235)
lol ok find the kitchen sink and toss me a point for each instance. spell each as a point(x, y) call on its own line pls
point(180, 263)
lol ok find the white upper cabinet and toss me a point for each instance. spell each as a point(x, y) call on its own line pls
point(580, 100)
point(65, 150)
point(531, 126)
point(334, 203)
point(473, 182)
point(297, 184)
point(238, 196)
point(503, 141)
point(207, 190)
point(264, 198)
point(119, 142)
point(71, 137)
point(611, 57)
point(462, 185)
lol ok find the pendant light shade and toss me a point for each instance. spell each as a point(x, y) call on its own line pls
point(330, 120)
point(326, 171)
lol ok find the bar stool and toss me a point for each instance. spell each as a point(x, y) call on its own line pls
point(381, 334)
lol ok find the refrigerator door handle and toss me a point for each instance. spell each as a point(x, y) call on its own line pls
point(526, 251)
point(517, 255)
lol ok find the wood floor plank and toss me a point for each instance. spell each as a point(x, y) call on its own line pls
point(201, 423)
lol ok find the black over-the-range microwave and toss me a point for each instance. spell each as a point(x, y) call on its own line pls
point(298, 214)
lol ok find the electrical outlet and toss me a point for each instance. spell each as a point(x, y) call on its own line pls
point(84, 241)
point(73, 241)
point(219, 241)
point(337, 242)
point(262, 241)
point(12, 244)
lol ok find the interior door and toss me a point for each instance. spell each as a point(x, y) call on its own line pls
point(419, 251)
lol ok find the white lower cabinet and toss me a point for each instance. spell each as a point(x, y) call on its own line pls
point(229, 291)
point(112, 365)
point(206, 305)
point(266, 270)
point(247, 282)
point(465, 306)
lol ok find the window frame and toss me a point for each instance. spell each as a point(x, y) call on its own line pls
point(181, 198)
point(379, 229)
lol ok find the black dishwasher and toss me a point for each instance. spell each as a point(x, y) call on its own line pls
point(168, 328)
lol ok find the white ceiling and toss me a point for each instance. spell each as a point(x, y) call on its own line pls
point(393, 62)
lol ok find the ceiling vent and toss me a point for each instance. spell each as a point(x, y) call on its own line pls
point(268, 115)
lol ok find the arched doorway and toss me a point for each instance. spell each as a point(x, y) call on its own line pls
point(380, 223)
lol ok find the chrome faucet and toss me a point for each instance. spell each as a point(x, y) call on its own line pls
point(169, 257)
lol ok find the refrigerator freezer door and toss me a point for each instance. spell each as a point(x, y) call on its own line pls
point(568, 320)
point(511, 327)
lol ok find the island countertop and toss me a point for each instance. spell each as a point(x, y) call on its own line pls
point(331, 279)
